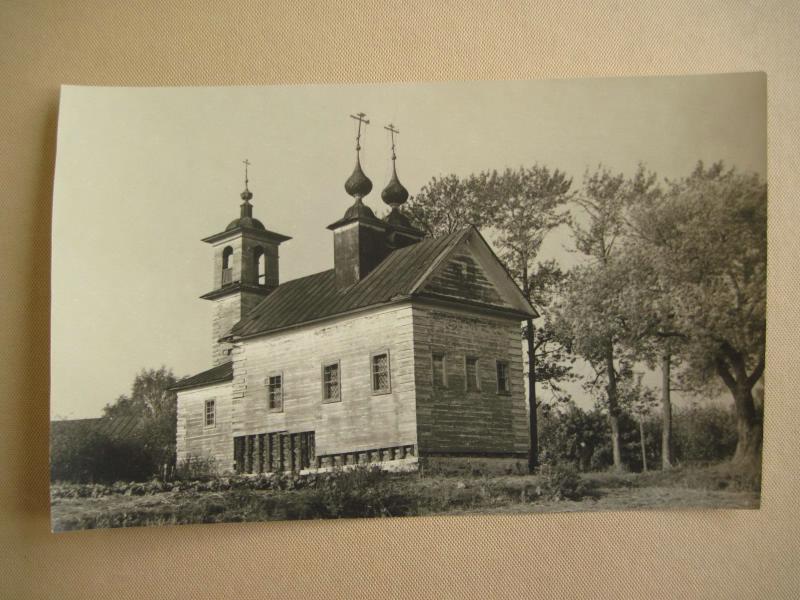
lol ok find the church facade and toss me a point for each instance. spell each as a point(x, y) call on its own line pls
point(406, 352)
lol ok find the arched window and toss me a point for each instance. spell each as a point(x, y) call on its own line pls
point(260, 261)
point(227, 265)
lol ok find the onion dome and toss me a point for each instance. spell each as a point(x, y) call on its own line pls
point(394, 194)
point(246, 219)
point(247, 223)
point(358, 185)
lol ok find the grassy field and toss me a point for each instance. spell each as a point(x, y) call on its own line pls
point(371, 493)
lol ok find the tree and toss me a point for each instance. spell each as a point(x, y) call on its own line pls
point(708, 246)
point(153, 403)
point(445, 205)
point(639, 400)
point(591, 315)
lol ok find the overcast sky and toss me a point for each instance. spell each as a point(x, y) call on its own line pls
point(142, 174)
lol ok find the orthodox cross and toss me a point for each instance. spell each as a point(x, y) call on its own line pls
point(246, 164)
point(360, 118)
point(390, 128)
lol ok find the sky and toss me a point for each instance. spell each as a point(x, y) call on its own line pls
point(142, 174)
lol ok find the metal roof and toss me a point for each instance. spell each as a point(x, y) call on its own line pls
point(117, 428)
point(218, 374)
point(317, 296)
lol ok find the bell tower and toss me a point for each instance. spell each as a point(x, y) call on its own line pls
point(245, 270)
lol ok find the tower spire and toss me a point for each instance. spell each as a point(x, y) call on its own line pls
point(358, 185)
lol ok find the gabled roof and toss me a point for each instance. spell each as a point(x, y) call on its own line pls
point(117, 428)
point(218, 374)
point(400, 275)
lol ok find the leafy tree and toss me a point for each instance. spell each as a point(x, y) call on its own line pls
point(445, 205)
point(152, 402)
point(706, 241)
point(591, 316)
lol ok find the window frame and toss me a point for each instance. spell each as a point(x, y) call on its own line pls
point(435, 386)
point(477, 387)
point(325, 365)
point(507, 365)
point(213, 403)
point(372, 356)
point(268, 388)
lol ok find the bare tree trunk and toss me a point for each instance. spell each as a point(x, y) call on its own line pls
point(642, 443)
point(533, 457)
point(613, 407)
point(666, 414)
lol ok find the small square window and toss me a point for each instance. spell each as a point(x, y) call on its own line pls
point(210, 413)
point(439, 378)
point(503, 379)
point(331, 389)
point(275, 392)
point(473, 381)
point(381, 383)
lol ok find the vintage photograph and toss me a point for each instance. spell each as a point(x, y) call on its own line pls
point(320, 302)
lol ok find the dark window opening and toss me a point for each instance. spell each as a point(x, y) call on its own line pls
point(473, 381)
point(227, 265)
point(439, 379)
point(503, 380)
point(260, 262)
point(275, 392)
point(331, 391)
point(380, 373)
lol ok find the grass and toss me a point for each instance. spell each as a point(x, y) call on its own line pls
point(372, 493)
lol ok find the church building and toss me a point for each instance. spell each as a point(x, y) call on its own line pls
point(406, 353)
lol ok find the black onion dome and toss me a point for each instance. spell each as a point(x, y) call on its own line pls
point(394, 194)
point(358, 185)
point(247, 223)
point(246, 195)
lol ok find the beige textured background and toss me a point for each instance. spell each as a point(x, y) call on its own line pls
point(722, 554)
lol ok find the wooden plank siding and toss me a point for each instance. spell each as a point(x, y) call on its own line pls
point(361, 420)
point(463, 277)
point(452, 420)
point(193, 438)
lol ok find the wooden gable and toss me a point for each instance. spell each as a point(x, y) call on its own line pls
point(471, 271)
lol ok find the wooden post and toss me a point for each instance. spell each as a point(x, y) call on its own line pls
point(666, 414)
point(642, 442)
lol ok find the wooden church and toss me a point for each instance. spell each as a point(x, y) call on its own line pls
point(406, 353)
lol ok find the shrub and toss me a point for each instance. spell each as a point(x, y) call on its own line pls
point(196, 468)
point(87, 456)
point(564, 482)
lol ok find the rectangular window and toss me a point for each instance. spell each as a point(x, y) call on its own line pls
point(439, 379)
point(503, 380)
point(275, 392)
point(380, 373)
point(473, 382)
point(210, 413)
point(331, 391)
